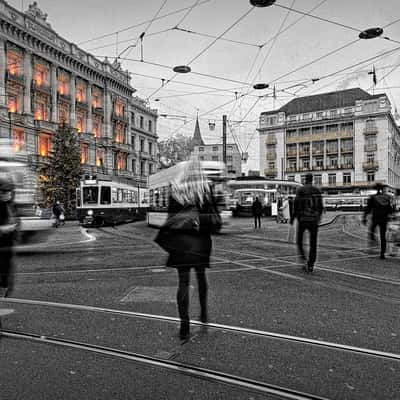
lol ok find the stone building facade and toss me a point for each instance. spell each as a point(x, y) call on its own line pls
point(348, 139)
point(46, 81)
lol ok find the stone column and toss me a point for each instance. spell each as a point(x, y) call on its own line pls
point(72, 91)
point(28, 81)
point(3, 68)
point(89, 123)
point(107, 114)
point(54, 88)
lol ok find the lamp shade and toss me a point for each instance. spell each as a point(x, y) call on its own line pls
point(371, 33)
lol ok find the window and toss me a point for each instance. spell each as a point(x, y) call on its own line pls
point(292, 118)
point(114, 195)
point(134, 166)
point(317, 130)
point(150, 148)
point(40, 75)
point(370, 140)
point(13, 104)
point(105, 195)
point(119, 108)
point(318, 147)
point(370, 158)
point(142, 168)
point(141, 122)
point(229, 158)
point(291, 133)
point(150, 126)
point(332, 162)
point(97, 98)
point(80, 124)
point(347, 161)
point(41, 110)
point(333, 113)
point(305, 163)
point(304, 131)
point(320, 115)
point(318, 180)
point(201, 158)
point(84, 153)
point(44, 145)
point(14, 63)
point(81, 92)
point(319, 162)
point(214, 158)
point(332, 146)
point(133, 142)
point(151, 169)
point(63, 83)
point(332, 128)
point(133, 119)
point(99, 157)
point(306, 116)
point(348, 110)
point(215, 148)
point(291, 178)
point(97, 128)
point(346, 179)
point(18, 140)
point(371, 177)
point(90, 195)
point(201, 148)
point(332, 179)
point(142, 145)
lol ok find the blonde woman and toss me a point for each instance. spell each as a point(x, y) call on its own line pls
point(189, 227)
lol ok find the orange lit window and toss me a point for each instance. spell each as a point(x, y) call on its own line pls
point(121, 161)
point(84, 153)
point(119, 133)
point(63, 116)
point(44, 145)
point(63, 81)
point(99, 157)
point(119, 108)
point(80, 124)
point(96, 99)
point(41, 111)
point(97, 129)
point(40, 75)
point(80, 93)
point(14, 63)
point(18, 140)
point(12, 104)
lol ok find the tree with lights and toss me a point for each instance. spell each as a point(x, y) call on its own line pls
point(60, 178)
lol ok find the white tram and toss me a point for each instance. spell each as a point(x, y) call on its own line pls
point(101, 201)
point(159, 190)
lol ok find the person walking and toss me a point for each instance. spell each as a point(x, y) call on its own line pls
point(58, 212)
point(256, 209)
point(8, 229)
point(186, 236)
point(307, 210)
point(380, 207)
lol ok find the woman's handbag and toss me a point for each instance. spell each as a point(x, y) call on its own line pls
point(210, 220)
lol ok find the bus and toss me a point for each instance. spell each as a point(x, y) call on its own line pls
point(159, 190)
point(103, 201)
point(270, 192)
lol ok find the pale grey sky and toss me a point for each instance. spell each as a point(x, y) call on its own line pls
point(240, 64)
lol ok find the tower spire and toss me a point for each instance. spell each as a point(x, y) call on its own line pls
point(197, 140)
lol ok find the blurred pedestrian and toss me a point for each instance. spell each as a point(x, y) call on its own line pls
point(8, 228)
point(257, 209)
point(186, 235)
point(58, 212)
point(380, 207)
point(308, 208)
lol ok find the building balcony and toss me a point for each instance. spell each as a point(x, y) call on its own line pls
point(121, 146)
point(45, 125)
point(336, 166)
point(119, 117)
point(103, 141)
point(37, 159)
point(371, 130)
point(291, 153)
point(81, 104)
point(16, 117)
point(271, 139)
point(346, 133)
point(291, 169)
point(123, 173)
point(370, 166)
point(15, 78)
point(98, 110)
point(318, 151)
point(346, 166)
point(317, 167)
point(304, 153)
point(64, 97)
point(332, 151)
point(304, 169)
point(371, 147)
point(346, 150)
point(271, 171)
point(43, 87)
point(271, 155)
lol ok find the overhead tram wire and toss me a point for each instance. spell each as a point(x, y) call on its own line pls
point(141, 23)
point(205, 49)
point(386, 75)
point(188, 12)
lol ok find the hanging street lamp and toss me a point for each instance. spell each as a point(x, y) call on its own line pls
point(260, 86)
point(182, 69)
point(262, 3)
point(370, 33)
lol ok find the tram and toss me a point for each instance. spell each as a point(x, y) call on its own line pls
point(345, 202)
point(244, 190)
point(103, 201)
point(159, 190)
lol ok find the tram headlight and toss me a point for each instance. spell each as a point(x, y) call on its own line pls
point(90, 212)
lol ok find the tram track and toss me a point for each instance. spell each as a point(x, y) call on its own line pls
point(221, 327)
point(204, 374)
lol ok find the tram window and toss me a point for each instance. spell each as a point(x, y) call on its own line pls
point(90, 195)
point(125, 195)
point(129, 198)
point(114, 195)
point(105, 195)
point(119, 195)
point(134, 196)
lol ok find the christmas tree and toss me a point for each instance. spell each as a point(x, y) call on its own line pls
point(60, 178)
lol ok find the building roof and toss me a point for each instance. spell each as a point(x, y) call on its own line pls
point(197, 140)
point(324, 101)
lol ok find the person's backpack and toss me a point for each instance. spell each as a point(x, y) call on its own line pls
point(309, 211)
point(381, 205)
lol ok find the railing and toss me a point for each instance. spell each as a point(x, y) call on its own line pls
point(271, 155)
point(43, 87)
point(42, 124)
point(346, 149)
point(332, 151)
point(271, 139)
point(18, 78)
point(371, 130)
point(64, 97)
point(370, 147)
point(291, 169)
point(317, 167)
point(332, 166)
point(292, 153)
point(304, 153)
point(271, 171)
point(318, 151)
point(119, 117)
point(98, 110)
point(81, 104)
point(370, 165)
point(346, 166)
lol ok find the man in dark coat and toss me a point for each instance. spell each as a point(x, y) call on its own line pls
point(256, 209)
point(379, 205)
point(308, 208)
